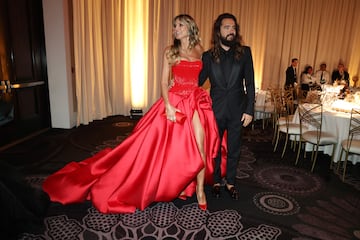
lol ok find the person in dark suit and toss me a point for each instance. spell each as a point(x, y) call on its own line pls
point(291, 74)
point(229, 67)
point(340, 74)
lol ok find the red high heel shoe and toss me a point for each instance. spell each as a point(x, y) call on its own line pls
point(203, 206)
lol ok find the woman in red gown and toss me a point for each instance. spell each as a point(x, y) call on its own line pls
point(170, 152)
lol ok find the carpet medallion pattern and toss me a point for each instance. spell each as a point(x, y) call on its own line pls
point(161, 221)
point(288, 179)
point(276, 203)
point(123, 124)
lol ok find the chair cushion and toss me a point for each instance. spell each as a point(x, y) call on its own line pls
point(264, 108)
point(282, 120)
point(326, 138)
point(293, 128)
point(355, 146)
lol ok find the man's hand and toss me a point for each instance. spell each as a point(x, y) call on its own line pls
point(246, 119)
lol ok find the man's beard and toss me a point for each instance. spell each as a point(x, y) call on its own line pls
point(226, 42)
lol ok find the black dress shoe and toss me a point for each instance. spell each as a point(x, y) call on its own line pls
point(233, 192)
point(216, 191)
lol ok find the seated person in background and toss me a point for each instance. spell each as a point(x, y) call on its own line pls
point(322, 75)
point(307, 78)
point(340, 75)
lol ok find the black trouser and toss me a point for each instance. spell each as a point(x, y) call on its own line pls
point(233, 128)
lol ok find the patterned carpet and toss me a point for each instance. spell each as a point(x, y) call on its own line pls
point(277, 199)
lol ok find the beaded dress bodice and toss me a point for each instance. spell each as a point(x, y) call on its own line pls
point(185, 76)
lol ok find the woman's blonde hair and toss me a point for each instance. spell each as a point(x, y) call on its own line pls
point(194, 38)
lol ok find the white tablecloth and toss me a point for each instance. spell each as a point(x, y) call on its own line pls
point(336, 123)
point(261, 105)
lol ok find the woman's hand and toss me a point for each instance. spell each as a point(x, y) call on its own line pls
point(170, 112)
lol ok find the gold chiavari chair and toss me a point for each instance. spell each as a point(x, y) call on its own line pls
point(311, 131)
point(351, 145)
point(284, 109)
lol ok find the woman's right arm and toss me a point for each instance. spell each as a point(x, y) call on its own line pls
point(165, 74)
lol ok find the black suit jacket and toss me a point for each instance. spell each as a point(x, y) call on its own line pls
point(237, 95)
point(337, 76)
point(291, 77)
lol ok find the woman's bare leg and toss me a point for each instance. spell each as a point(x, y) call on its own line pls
point(200, 178)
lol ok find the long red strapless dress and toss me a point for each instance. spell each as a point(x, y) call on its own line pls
point(158, 161)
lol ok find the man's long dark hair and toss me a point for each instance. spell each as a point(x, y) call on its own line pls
point(215, 50)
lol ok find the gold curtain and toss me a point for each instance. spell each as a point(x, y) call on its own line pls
point(314, 31)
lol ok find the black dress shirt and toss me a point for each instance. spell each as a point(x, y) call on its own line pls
point(227, 60)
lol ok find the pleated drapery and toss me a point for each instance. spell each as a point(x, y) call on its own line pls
point(277, 30)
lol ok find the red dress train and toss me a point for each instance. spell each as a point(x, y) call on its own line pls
point(158, 161)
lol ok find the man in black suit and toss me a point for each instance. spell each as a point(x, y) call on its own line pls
point(229, 67)
point(291, 75)
point(340, 74)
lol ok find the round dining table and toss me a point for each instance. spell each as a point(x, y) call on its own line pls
point(336, 122)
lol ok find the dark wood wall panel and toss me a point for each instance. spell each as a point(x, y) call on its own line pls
point(22, 43)
point(26, 108)
point(19, 30)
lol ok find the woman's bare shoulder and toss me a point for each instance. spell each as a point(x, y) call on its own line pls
point(199, 50)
